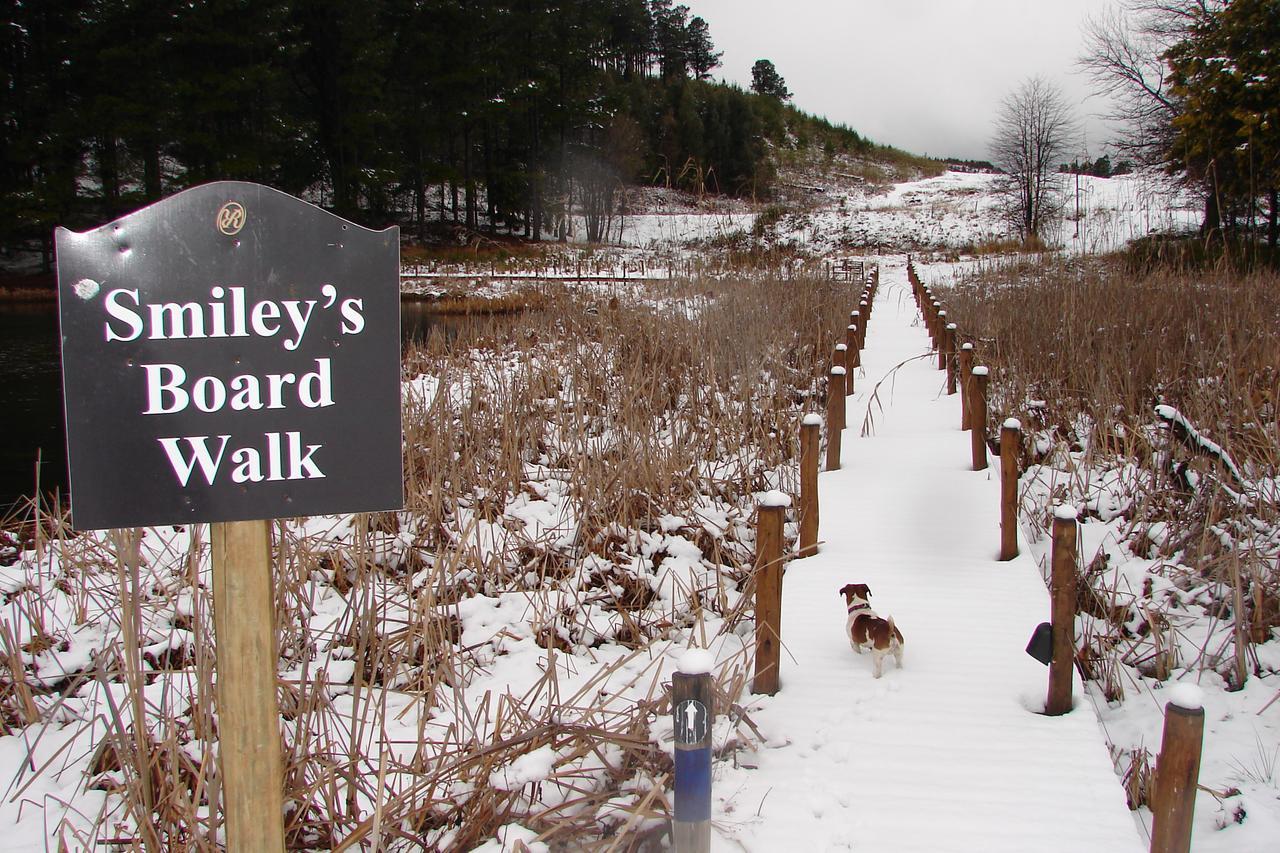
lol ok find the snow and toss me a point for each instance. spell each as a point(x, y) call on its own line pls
point(943, 754)
point(950, 752)
point(1012, 423)
point(1186, 696)
point(980, 370)
point(837, 370)
point(696, 662)
point(775, 498)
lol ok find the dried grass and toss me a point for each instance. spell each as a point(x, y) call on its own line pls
point(639, 411)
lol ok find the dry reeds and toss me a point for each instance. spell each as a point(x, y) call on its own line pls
point(580, 486)
point(1084, 353)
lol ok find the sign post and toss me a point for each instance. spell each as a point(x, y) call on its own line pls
point(231, 354)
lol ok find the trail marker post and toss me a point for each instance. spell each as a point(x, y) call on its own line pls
point(240, 346)
point(693, 712)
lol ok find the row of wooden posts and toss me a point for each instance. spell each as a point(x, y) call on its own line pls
point(1177, 767)
point(691, 824)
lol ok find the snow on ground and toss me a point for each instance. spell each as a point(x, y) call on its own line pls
point(952, 211)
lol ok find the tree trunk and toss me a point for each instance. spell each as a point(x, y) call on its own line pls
point(151, 175)
point(1273, 225)
point(1212, 213)
point(109, 174)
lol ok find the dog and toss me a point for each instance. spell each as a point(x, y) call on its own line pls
point(866, 630)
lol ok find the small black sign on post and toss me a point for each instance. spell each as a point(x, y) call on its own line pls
point(231, 354)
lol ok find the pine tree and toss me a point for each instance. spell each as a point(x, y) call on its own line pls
point(765, 80)
point(1227, 74)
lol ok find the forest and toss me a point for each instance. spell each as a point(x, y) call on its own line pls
point(487, 114)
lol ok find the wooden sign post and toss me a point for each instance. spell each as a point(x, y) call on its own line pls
point(242, 349)
point(249, 736)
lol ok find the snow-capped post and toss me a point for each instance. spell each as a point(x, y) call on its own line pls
point(840, 356)
point(1062, 588)
point(768, 571)
point(864, 313)
point(835, 416)
point(1010, 439)
point(1173, 799)
point(853, 338)
point(978, 416)
point(942, 340)
point(966, 367)
point(950, 346)
point(809, 485)
point(853, 358)
point(693, 711)
point(243, 347)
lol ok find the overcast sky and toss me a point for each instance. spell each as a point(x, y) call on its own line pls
point(924, 75)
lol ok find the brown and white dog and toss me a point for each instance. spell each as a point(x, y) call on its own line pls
point(866, 630)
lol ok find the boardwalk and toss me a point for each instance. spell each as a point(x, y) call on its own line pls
point(944, 755)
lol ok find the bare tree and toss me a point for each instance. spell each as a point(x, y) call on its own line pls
point(1124, 57)
point(1033, 130)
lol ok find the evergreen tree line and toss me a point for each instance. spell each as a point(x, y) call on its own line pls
point(491, 114)
point(1225, 80)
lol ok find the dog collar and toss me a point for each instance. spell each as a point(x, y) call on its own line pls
point(862, 606)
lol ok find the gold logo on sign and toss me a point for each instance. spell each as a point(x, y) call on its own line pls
point(231, 217)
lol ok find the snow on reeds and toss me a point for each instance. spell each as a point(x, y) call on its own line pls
point(1152, 401)
point(489, 663)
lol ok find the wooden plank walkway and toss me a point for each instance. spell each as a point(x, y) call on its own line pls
point(946, 754)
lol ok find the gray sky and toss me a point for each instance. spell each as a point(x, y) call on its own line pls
point(924, 75)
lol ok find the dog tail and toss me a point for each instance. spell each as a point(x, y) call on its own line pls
point(893, 631)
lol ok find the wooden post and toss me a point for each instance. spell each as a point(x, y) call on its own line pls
point(864, 314)
point(836, 398)
point(951, 358)
point(693, 710)
point(966, 365)
point(1063, 591)
point(1173, 799)
point(835, 416)
point(942, 340)
point(978, 416)
point(769, 517)
point(248, 708)
point(840, 356)
point(1010, 440)
point(809, 484)
point(854, 358)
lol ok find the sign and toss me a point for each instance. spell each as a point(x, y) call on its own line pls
point(691, 722)
point(230, 353)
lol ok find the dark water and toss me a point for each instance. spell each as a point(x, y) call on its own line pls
point(31, 395)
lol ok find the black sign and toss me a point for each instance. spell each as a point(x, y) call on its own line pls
point(230, 353)
point(691, 721)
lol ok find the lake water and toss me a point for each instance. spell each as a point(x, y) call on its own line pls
point(31, 395)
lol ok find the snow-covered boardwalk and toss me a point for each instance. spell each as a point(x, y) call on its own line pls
point(946, 754)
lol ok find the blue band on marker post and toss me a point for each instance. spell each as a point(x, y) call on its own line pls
point(693, 784)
